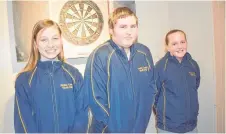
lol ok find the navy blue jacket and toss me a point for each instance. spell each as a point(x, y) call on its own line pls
point(49, 99)
point(176, 103)
point(121, 91)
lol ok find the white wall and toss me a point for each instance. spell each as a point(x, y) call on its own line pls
point(155, 19)
point(6, 73)
point(153, 24)
point(195, 18)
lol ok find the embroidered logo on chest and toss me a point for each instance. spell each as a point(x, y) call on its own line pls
point(66, 86)
point(192, 73)
point(144, 68)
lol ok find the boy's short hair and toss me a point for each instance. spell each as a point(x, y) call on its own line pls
point(118, 13)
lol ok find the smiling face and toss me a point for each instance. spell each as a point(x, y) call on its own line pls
point(49, 43)
point(177, 44)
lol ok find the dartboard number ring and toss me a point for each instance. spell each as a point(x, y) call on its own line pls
point(81, 22)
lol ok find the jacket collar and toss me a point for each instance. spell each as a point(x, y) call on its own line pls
point(49, 66)
point(121, 51)
point(184, 61)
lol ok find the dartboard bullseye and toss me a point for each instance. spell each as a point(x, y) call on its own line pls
point(81, 22)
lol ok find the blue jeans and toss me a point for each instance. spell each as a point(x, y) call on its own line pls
point(195, 130)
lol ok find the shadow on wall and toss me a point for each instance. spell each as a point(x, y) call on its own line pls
point(8, 124)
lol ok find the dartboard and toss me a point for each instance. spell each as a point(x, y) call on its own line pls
point(81, 22)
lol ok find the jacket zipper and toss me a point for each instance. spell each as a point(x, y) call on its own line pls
point(132, 86)
point(131, 79)
point(188, 99)
point(55, 111)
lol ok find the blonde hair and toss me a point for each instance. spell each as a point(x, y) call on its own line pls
point(34, 53)
point(121, 12)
